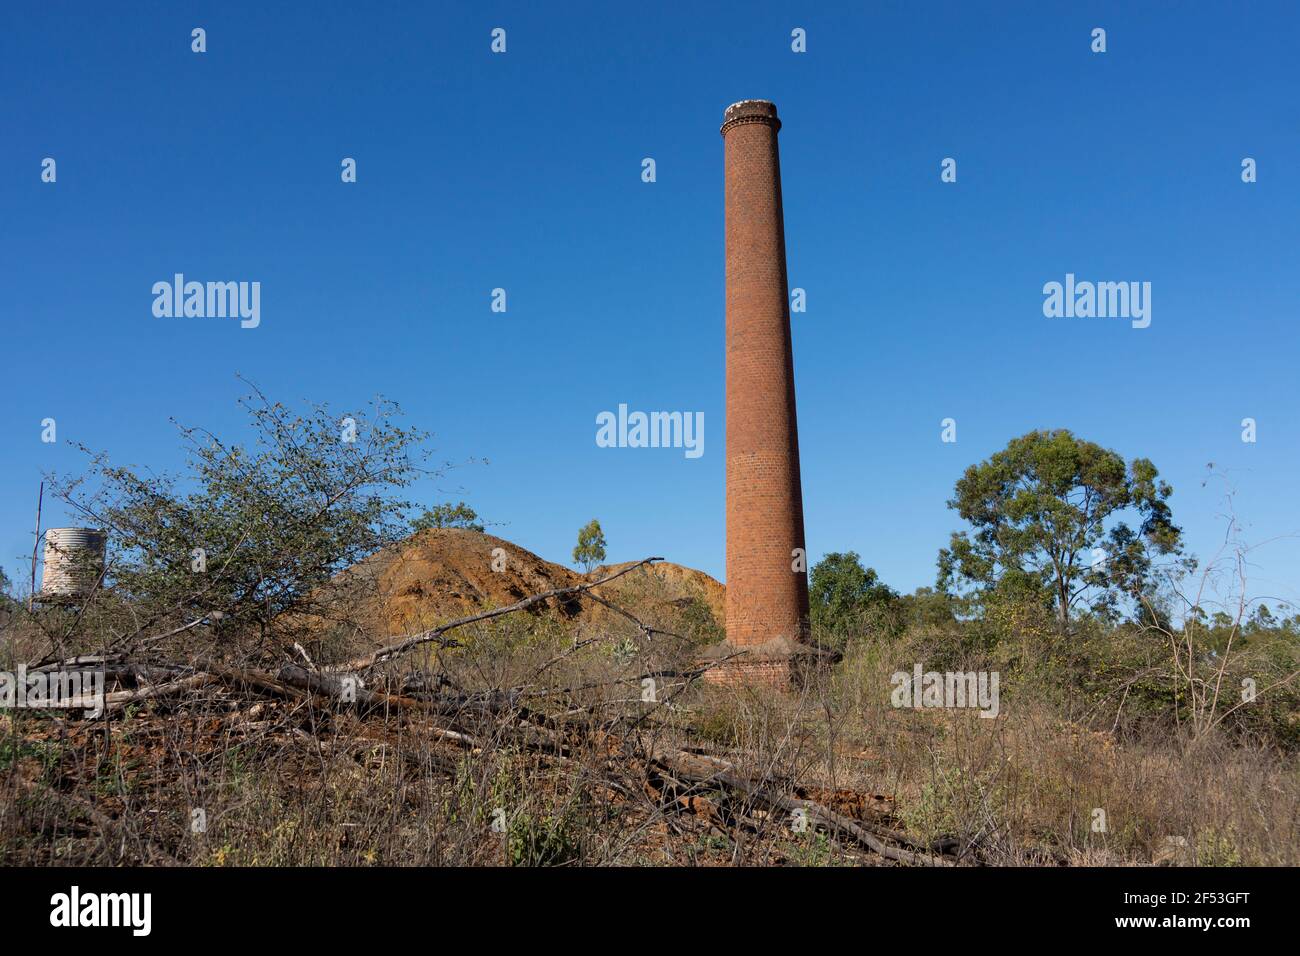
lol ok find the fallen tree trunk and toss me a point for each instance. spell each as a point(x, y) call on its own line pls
point(120, 699)
point(480, 721)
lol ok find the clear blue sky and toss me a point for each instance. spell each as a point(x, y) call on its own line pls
point(523, 171)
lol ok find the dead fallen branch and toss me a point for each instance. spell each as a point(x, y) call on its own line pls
point(119, 700)
point(455, 724)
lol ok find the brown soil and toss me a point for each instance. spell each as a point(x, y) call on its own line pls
point(441, 574)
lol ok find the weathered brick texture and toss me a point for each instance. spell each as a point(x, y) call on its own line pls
point(749, 673)
point(766, 597)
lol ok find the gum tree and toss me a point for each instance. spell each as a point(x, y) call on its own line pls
point(1059, 520)
point(590, 550)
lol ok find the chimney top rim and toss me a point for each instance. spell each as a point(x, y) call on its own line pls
point(750, 111)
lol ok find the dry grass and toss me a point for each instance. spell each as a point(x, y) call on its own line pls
point(299, 782)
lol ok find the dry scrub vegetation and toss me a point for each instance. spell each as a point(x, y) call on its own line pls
point(284, 689)
point(539, 727)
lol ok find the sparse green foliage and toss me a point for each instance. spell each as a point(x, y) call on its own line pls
point(252, 529)
point(842, 593)
point(447, 515)
point(698, 620)
point(542, 840)
point(590, 550)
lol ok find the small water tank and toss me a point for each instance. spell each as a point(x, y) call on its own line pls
point(74, 558)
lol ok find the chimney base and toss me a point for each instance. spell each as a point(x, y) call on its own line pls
point(780, 663)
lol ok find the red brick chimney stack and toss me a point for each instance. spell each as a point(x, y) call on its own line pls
point(767, 598)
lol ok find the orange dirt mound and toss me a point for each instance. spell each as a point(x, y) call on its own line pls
point(676, 583)
point(441, 574)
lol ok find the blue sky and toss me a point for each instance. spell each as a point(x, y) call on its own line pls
point(522, 171)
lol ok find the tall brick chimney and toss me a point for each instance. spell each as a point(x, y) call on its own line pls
point(767, 598)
